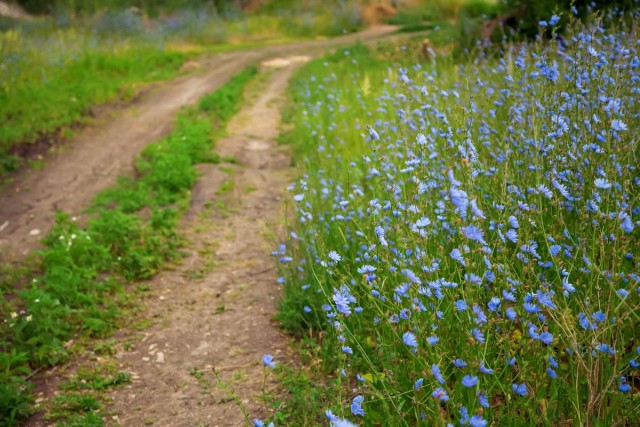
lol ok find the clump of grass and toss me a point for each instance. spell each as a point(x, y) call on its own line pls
point(466, 245)
point(78, 285)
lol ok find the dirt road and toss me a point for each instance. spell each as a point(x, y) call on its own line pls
point(99, 153)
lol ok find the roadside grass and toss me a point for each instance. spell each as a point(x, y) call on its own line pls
point(77, 285)
point(465, 248)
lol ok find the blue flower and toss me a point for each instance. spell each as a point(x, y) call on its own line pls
point(460, 305)
point(494, 304)
point(602, 183)
point(433, 340)
point(520, 389)
point(478, 335)
point(545, 299)
point(472, 232)
point(268, 361)
point(552, 373)
point(546, 338)
point(356, 405)
point(333, 255)
point(418, 383)
point(483, 399)
point(347, 350)
point(477, 421)
point(459, 363)
point(340, 422)
point(485, 370)
point(440, 394)
point(435, 370)
point(469, 381)
point(618, 125)
point(330, 416)
point(410, 339)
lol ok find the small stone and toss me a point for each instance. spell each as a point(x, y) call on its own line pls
point(159, 357)
point(34, 232)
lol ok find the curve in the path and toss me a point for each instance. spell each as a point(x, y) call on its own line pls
point(98, 154)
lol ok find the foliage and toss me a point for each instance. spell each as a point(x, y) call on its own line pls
point(78, 287)
point(466, 245)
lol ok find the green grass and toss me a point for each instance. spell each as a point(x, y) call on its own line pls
point(77, 285)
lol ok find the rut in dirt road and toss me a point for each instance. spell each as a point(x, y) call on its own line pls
point(98, 154)
point(225, 319)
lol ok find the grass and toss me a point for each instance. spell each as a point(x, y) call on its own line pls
point(76, 286)
point(465, 248)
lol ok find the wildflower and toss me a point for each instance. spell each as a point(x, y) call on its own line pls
point(456, 255)
point(478, 335)
point(268, 361)
point(340, 422)
point(330, 416)
point(440, 394)
point(472, 232)
point(461, 305)
point(347, 350)
point(477, 421)
point(342, 303)
point(356, 405)
point(459, 363)
point(483, 399)
point(435, 370)
point(373, 134)
point(485, 370)
point(520, 389)
point(602, 183)
point(546, 338)
point(618, 125)
point(469, 381)
point(551, 373)
point(545, 299)
point(433, 340)
point(412, 276)
point(494, 304)
point(259, 423)
point(410, 339)
point(333, 255)
point(418, 383)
